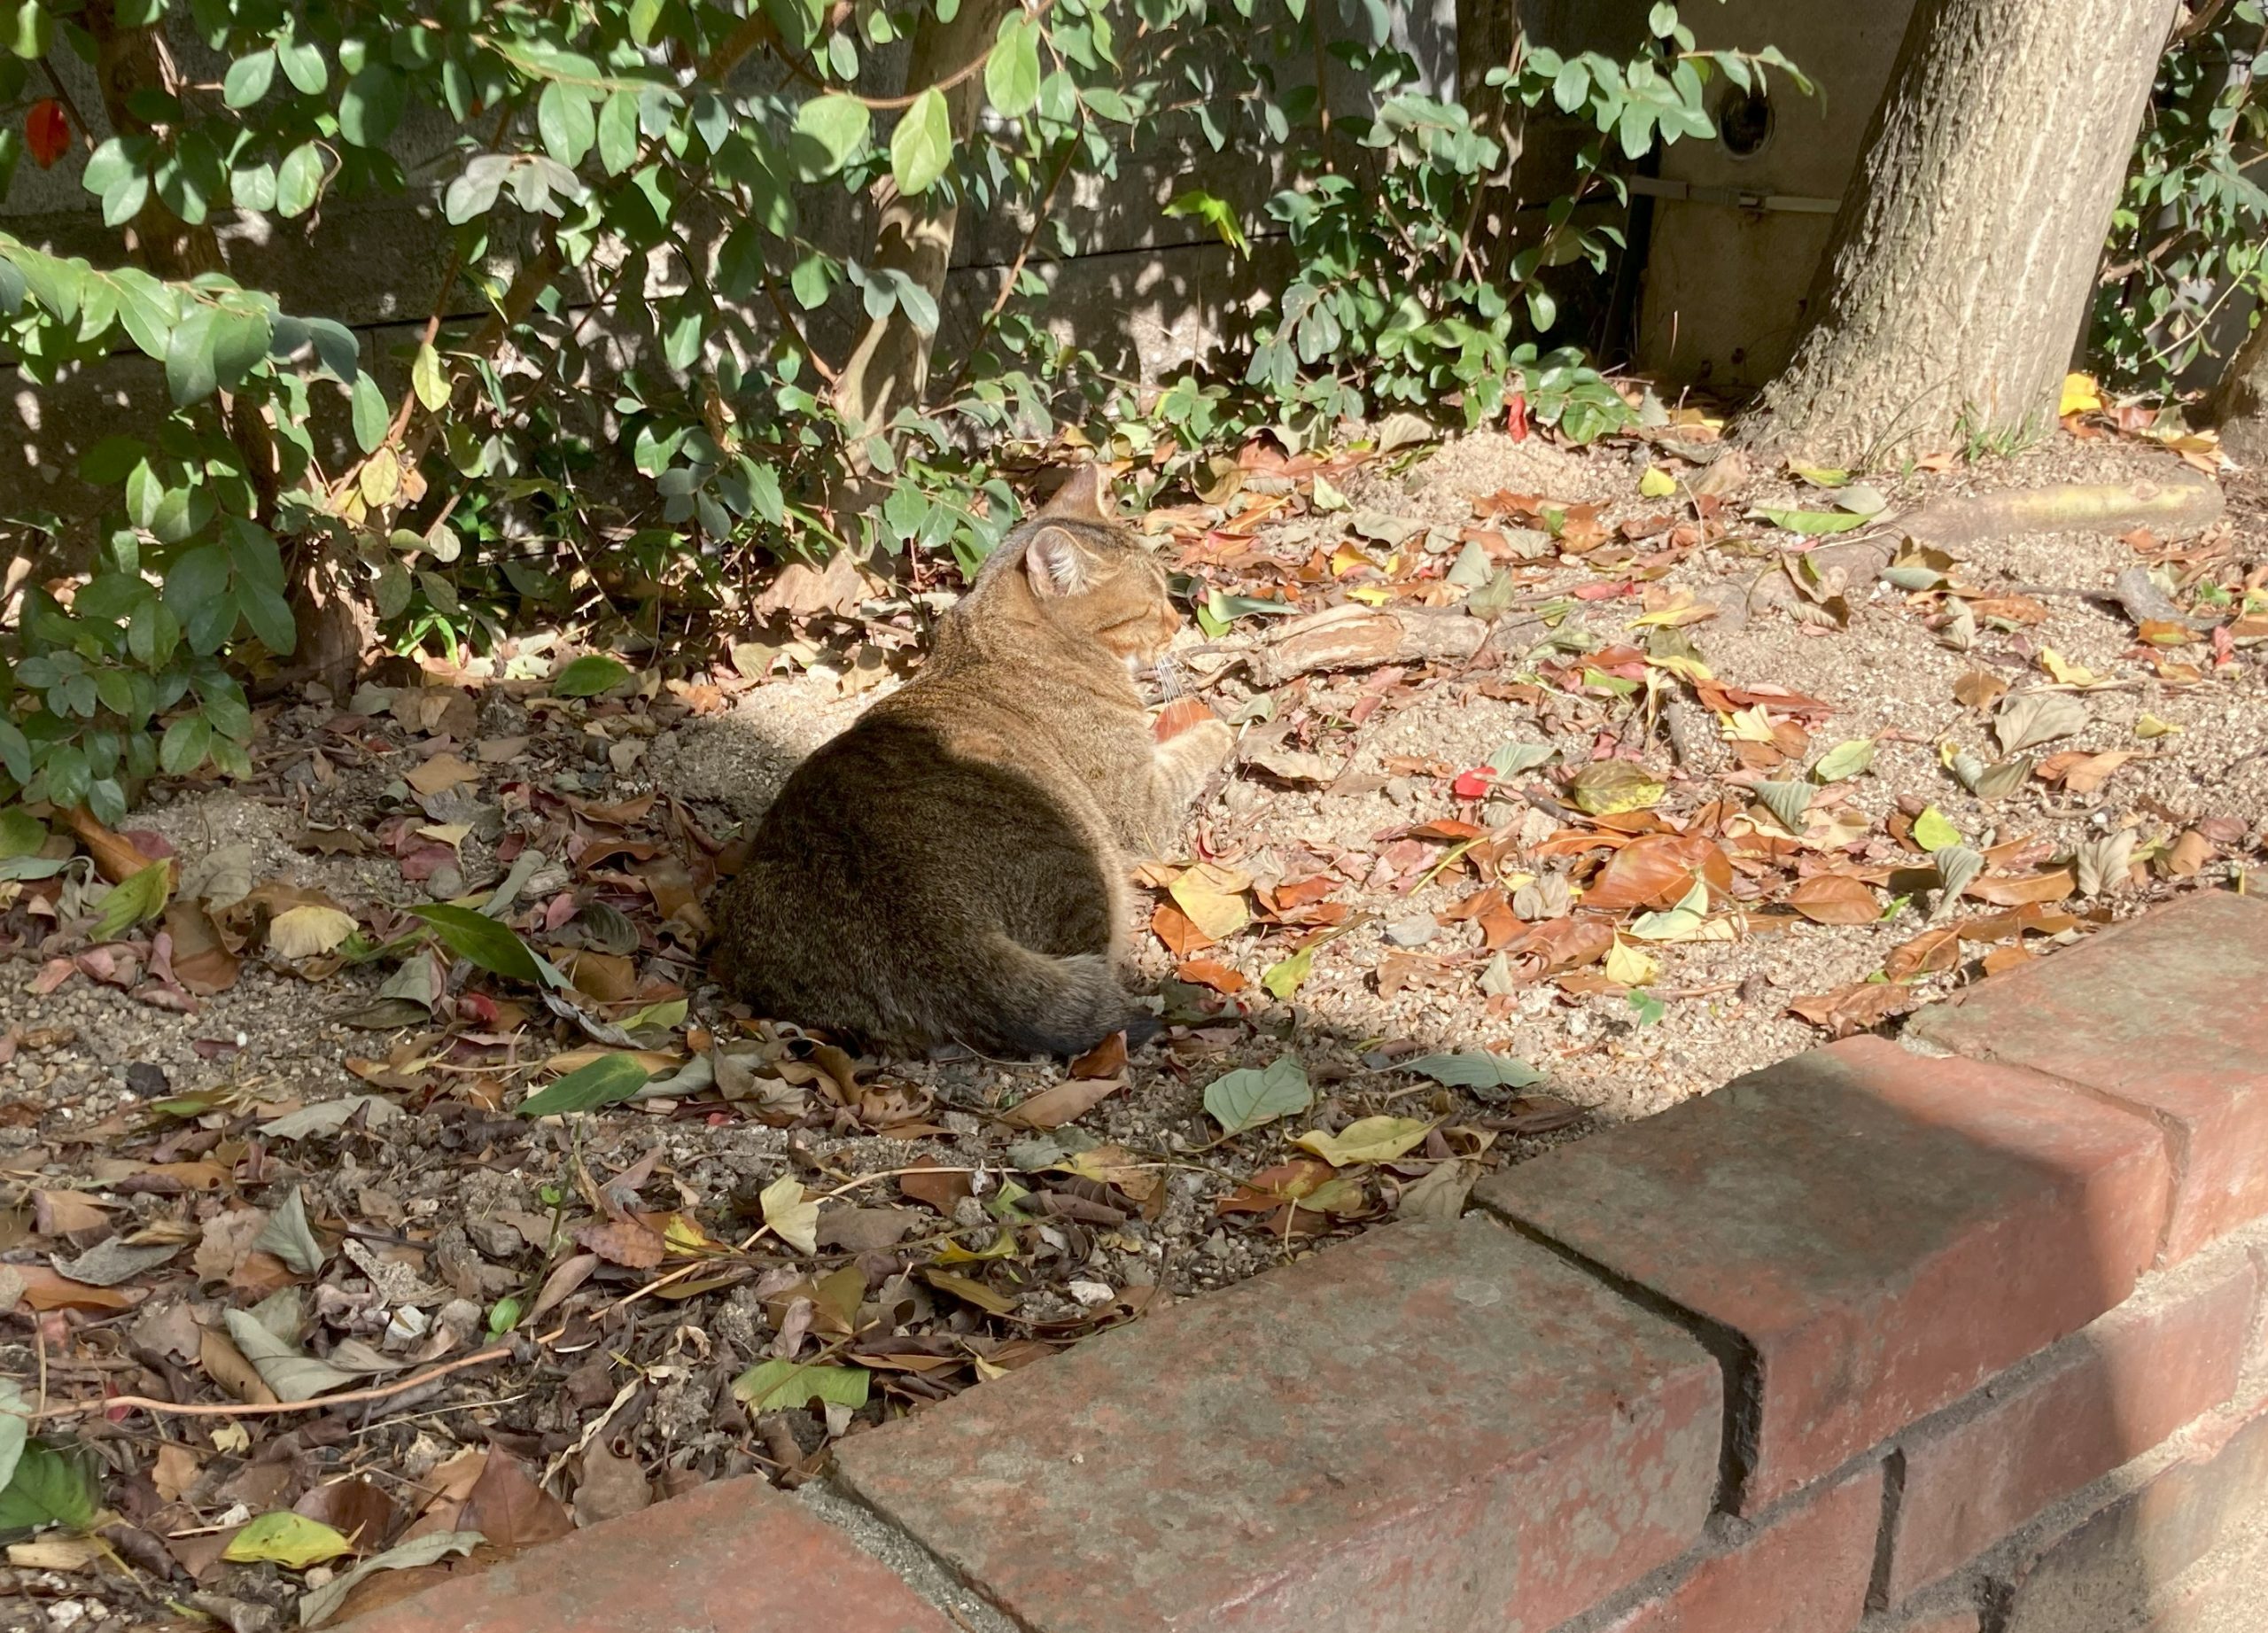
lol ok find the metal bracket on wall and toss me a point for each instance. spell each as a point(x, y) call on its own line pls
point(1735, 197)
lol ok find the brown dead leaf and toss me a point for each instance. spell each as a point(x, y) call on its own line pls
point(1065, 1101)
point(354, 1507)
point(605, 978)
point(227, 1366)
point(202, 961)
point(510, 1510)
point(2189, 855)
point(1212, 973)
point(1177, 930)
point(940, 1190)
point(44, 1289)
point(1978, 689)
point(227, 1240)
point(1835, 898)
point(117, 857)
point(176, 1470)
point(58, 1213)
point(2080, 772)
point(1855, 1008)
point(441, 773)
point(1658, 870)
point(1931, 953)
point(2052, 885)
point(1106, 1059)
point(622, 1241)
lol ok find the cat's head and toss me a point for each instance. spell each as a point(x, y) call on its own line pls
point(1092, 574)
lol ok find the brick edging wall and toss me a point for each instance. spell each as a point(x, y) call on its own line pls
point(1870, 1342)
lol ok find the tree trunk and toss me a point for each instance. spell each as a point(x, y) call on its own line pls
point(2239, 404)
point(1957, 280)
point(890, 366)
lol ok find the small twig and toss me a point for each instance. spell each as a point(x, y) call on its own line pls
point(321, 1403)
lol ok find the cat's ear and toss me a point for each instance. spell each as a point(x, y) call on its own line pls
point(1058, 562)
point(1084, 496)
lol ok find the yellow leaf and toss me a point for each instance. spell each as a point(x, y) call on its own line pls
point(2065, 670)
point(291, 1540)
point(1748, 725)
point(1214, 899)
point(307, 930)
point(792, 1215)
point(1608, 787)
point(1627, 965)
point(380, 477)
point(1347, 559)
point(1370, 595)
point(2149, 726)
point(1368, 1139)
point(1682, 609)
point(1684, 668)
point(2080, 395)
point(1656, 483)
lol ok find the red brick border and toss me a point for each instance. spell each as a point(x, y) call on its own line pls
point(1863, 1343)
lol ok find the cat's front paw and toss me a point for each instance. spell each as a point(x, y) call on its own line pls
point(1207, 742)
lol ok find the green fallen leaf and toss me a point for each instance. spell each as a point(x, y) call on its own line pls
point(1844, 760)
point(601, 1082)
point(22, 834)
point(50, 1486)
point(1789, 802)
point(1656, 483)
point(1515, 757)
point(495, 947)
point(1933, 830)
point(292, 1541)
point(139, 896)
point(319, 1604)
point(1283, 978)
point(589, 675)
point(1810, 522)
point(1475, 1068)
point(770, 1385)
point(1254, 1095)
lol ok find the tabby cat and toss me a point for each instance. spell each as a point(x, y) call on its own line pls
point(952, 868)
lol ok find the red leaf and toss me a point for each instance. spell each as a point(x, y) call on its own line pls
point(1472, 784)
point(47, 133)
point(1516, 415)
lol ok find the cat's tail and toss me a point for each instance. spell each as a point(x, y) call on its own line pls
point(1041, 1004)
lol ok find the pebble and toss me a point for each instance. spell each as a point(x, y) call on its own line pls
point(1414, 931)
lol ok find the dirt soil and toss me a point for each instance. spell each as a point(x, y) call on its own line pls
point(1441, 914)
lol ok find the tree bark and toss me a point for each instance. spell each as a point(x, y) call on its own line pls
point(890, 366)
point(2239, 404)
point(1956, 283)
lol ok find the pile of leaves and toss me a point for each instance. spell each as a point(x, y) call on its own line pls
point(385, 1190)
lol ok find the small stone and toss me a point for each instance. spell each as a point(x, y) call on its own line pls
point(1093, 1294)
point(495, 1238)
point(1414, 931)
point(459, 1318)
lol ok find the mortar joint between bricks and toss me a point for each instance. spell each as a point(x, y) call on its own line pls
point(1736, 1359)
point(932, 1577)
